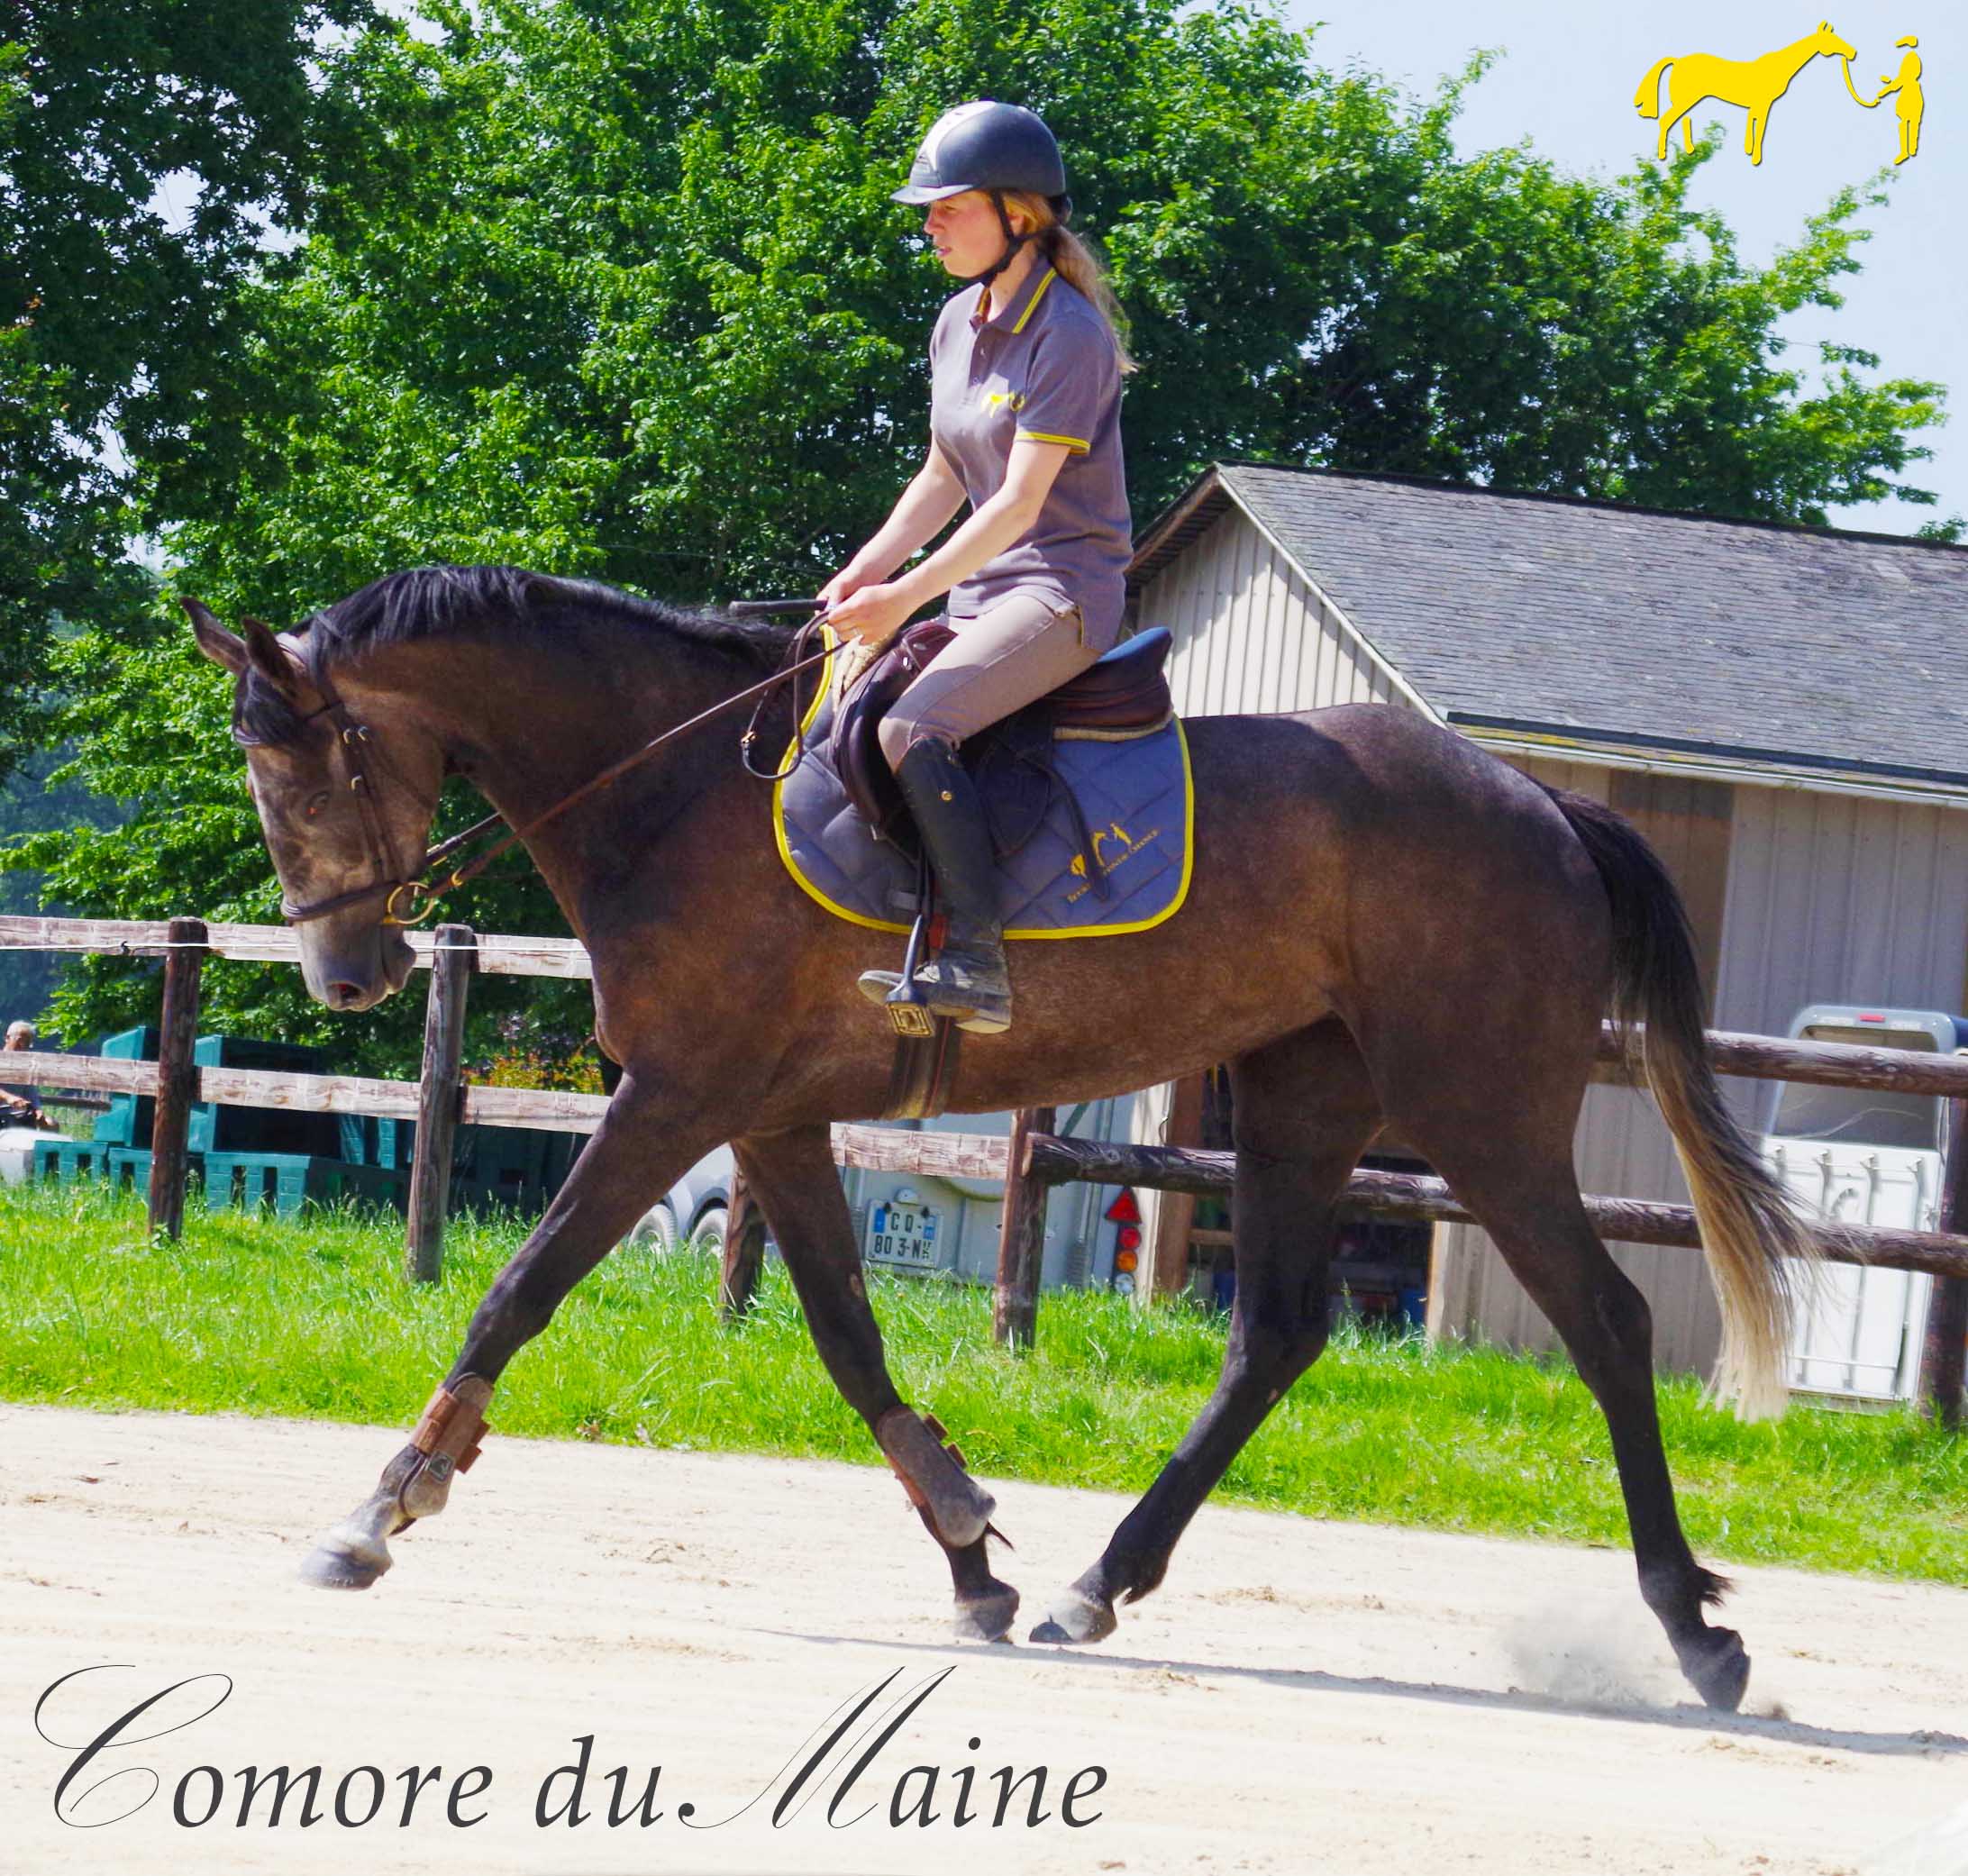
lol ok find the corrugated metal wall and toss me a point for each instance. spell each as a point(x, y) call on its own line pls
point(1834, 900)
point(1251, 634)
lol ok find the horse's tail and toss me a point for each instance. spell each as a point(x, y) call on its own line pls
point(1647, 98)
point(1748, 1229)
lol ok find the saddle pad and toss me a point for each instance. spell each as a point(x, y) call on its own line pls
point(1136, 795)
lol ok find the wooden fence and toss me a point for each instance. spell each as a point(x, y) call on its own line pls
point(1030, 1163)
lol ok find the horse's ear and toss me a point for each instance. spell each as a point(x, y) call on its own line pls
point(218, 644)
point(268, 660)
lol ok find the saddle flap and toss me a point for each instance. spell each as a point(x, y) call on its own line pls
point(852, 743)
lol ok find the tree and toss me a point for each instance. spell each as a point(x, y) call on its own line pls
point(614, 287)
point(109, 316)
point(28, 978)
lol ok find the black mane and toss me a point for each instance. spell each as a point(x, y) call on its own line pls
point(431, 602)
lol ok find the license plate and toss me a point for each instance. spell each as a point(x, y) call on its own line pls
point(903, 1235)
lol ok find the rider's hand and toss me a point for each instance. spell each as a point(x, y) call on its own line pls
point(871, 614)
point(847, 580)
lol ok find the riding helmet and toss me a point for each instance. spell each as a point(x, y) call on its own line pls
point(987, 145)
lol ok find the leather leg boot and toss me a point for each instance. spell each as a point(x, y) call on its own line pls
point(966, 980)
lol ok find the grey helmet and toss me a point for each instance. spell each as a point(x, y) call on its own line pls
point(994, 147)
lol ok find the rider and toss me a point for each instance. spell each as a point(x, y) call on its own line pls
point(1026, 367)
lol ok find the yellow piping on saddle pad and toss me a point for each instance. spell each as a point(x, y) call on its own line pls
point(883, 924)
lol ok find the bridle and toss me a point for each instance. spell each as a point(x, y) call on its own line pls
point(419, 895)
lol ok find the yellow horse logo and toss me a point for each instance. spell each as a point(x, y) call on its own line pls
point(1756, 83)
point(1112, 831)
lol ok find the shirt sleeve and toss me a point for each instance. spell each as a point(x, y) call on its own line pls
point(1072, 377)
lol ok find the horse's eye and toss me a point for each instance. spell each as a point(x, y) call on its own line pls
point(315, 804)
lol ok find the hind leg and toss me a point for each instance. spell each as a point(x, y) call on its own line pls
point(1608, 1328)
point(1305, 1111)
point(1513, 1171)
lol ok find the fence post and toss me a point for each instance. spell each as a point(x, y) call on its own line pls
point(744, 1250)
point(440, 1096)
point(177, 1073)
point(1946, 1356)
point(1167, 1258)
point(1021, 1235)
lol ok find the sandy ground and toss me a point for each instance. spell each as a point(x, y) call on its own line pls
point(1299, 1697)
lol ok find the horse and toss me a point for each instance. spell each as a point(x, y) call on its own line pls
point(1387, 928)
point(1754, 83)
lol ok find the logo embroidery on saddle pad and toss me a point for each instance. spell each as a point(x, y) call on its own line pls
point(1139, 809)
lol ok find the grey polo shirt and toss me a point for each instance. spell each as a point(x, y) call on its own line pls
point(1044, 366)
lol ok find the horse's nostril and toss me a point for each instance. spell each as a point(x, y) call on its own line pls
point(344, 995)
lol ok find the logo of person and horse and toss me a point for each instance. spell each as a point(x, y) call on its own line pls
point(1756, 83)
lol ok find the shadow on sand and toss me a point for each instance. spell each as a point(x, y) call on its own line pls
point(1682, 1717)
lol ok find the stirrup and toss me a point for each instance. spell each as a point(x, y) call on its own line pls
point(908, 1011)
point(986, 1015)
point(899, 992)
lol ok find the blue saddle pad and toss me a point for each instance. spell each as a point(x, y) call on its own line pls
point(1136, 795)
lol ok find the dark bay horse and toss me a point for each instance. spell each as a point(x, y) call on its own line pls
point(1386, 926)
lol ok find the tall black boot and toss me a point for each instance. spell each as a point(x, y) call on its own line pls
point(966, 980)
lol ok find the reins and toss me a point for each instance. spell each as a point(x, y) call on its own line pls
point(424, 896)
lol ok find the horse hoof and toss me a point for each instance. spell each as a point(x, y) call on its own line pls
point(987, 1617)
point(1722, 1676)
point(1076, 1617)
point(346, 1560)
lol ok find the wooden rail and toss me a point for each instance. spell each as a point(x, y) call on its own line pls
point(1767, 1058)
point(1029, 1164)
point(495, 955)
point(1415, 1197)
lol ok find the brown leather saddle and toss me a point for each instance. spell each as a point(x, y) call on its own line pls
point(1126, 693)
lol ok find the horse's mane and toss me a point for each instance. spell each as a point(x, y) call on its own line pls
point(434, 602)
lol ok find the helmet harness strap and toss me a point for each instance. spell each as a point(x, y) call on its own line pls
point(1013, 242)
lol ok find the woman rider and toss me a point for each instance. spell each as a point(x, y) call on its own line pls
point(1025, 424)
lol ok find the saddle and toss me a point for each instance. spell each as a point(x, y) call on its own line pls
point(1123, 695)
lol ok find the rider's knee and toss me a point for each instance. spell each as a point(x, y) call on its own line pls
point(898, 736)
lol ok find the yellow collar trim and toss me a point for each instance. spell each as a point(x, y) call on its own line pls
point(1051, 274)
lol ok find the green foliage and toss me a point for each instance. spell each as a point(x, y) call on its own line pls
point(28, 978)
point(112, 321)
point(247, 1315)
point(616, 290)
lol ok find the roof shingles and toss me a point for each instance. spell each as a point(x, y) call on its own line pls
point(1847, 650)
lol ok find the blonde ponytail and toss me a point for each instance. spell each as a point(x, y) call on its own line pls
point(1077, 263)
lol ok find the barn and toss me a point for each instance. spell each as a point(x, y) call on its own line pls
point(1782, 710)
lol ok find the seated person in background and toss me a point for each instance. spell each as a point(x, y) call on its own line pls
point(17, 1106)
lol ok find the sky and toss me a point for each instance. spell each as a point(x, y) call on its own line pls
point(1566, 83)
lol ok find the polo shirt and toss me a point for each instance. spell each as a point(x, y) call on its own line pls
point(1044, 366)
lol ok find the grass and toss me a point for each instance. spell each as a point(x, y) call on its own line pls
point(252, 1316)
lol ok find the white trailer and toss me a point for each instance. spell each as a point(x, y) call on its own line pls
point(1863, 1156)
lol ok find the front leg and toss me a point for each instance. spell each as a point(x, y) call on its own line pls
point(792, 1173)
point(648, 1137)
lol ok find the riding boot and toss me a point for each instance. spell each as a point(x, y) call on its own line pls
point(966, 980)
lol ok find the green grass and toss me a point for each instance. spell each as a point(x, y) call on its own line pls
point(246, 1315)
